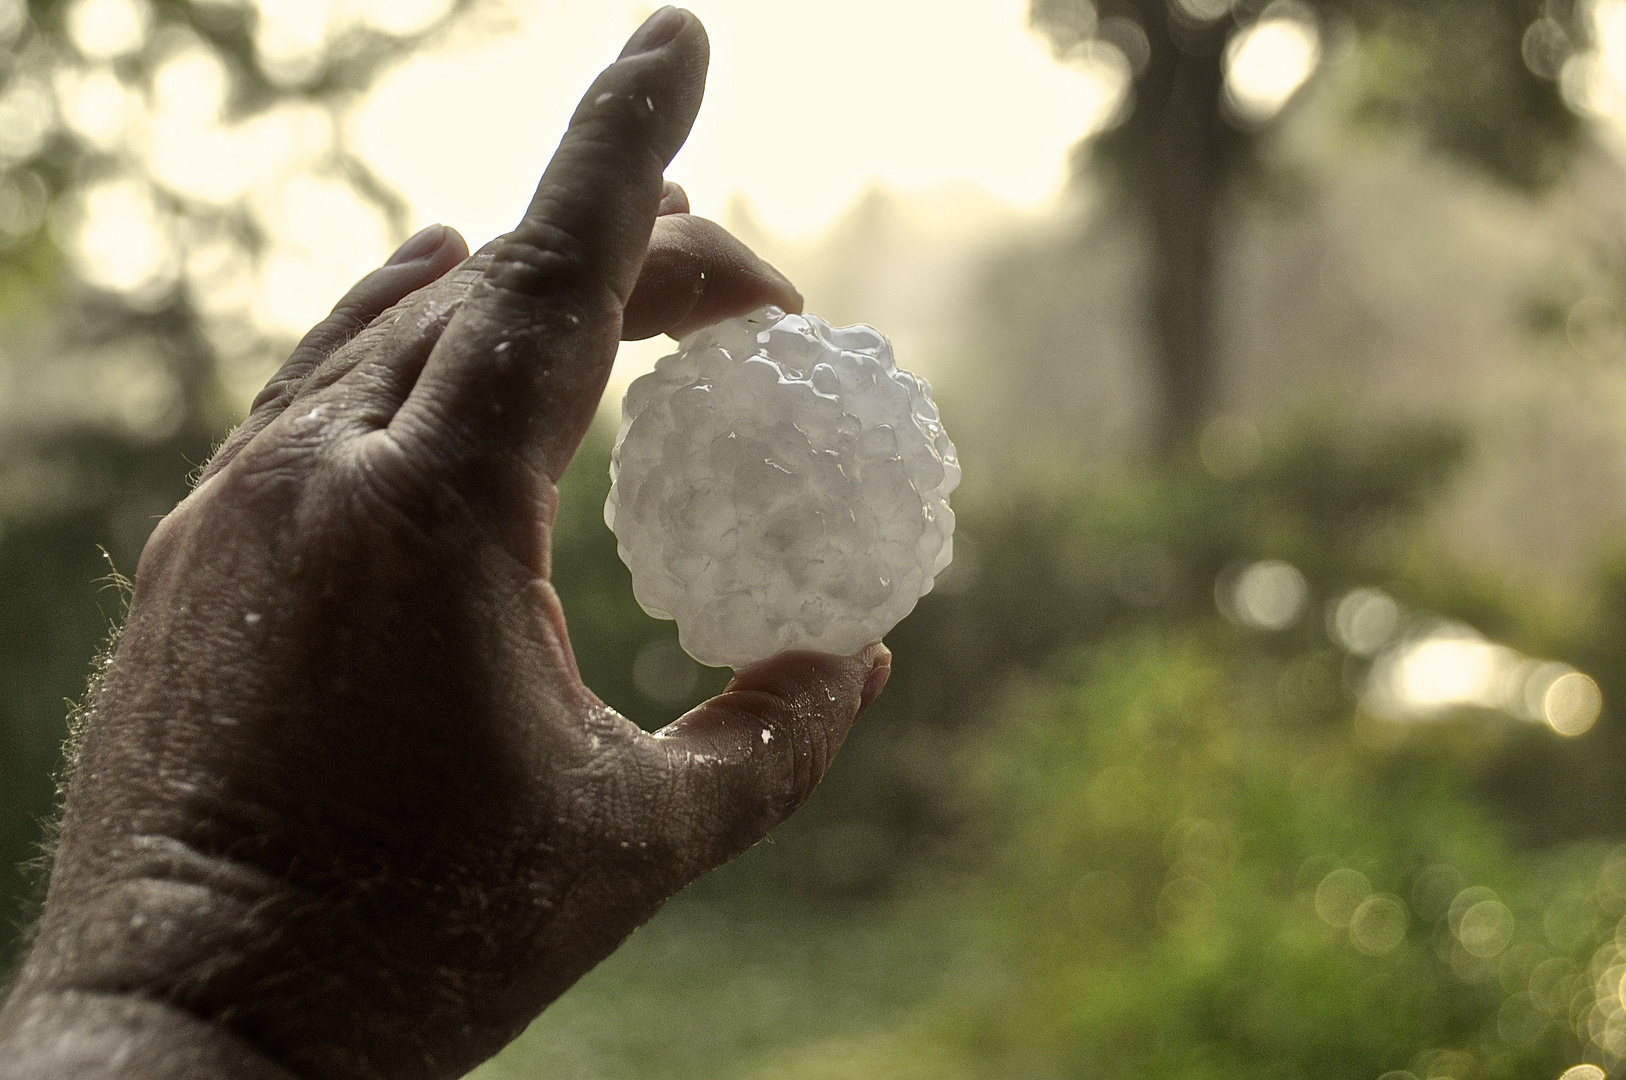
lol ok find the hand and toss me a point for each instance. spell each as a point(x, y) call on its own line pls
point(342, 806)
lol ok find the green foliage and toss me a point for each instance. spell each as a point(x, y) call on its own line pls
point(1164, 902)
point(1098, 831)
point(1047, 571)
point(1090, 828)
point(1455, 70)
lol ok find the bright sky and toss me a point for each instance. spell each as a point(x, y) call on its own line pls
point(806, 106)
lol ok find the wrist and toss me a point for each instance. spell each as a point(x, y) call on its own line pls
point(56, 1035)
point(319, 985)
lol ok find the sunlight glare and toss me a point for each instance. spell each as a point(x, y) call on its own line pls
point(191, 86)
point(802, 113)
point(122, 242)
point(218, 163)
point(107, 29)
point(96, 106)
point(13, 17)
point(326, 237)
point(1450, 666)
point(1594, 82)
point(1453, 669)
point(27, 117)
point(290, 37)
point(1204, 10)
point(403, 17)
point(1266, 63)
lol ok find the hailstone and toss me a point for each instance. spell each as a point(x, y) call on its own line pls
point(779, 483)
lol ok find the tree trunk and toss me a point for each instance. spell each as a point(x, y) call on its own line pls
point(1178, 144)
point(1182, 196)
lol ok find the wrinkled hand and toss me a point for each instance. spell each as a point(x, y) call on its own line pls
point(343, 807)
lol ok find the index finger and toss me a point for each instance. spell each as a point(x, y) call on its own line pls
point(520, 368)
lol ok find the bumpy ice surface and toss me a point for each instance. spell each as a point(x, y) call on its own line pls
point(778, 483)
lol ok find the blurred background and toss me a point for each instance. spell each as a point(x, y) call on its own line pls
point(1271, 720)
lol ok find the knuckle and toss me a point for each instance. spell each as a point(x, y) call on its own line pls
point(541, 258)
point(276, 393)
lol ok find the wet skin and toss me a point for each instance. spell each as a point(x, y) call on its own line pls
point(342, 806)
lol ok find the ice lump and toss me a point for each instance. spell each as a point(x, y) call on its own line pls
point(779, 483)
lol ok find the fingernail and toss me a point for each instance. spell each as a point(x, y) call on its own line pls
point(425, 241)
point(876, 682)
point(657, 30)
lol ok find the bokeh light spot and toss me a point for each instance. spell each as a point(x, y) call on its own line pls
point(190, 86)
point(1340, 895)
point(404, 17)
point(1545, 46)
point(291, 37)
point(1583, 1072)
point(1130, 39)
point(27, 118)
point(13, 17)
point(1267, 63)
point(1485, 929)
point(122, 242)
point(105, 29)
point(1365, 620)
point(1378, 926)
point(1204, 10)
point(23, 199)
point(1467, 898)
point(1572, 704)
point(1448, 666)
point(1108, 74)
point(327, 236)
point(96, 106)
point(1268, 595)
point(1552, 984)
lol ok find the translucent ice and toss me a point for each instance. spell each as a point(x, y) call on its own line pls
point(778, 483)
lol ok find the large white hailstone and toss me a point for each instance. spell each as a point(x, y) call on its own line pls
point(779, 483)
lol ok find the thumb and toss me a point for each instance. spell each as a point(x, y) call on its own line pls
point(743, 761)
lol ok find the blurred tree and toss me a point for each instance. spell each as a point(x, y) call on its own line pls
point(1189, 877)
point(114, 336)
point(1479, 78)
point(1123, 833)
